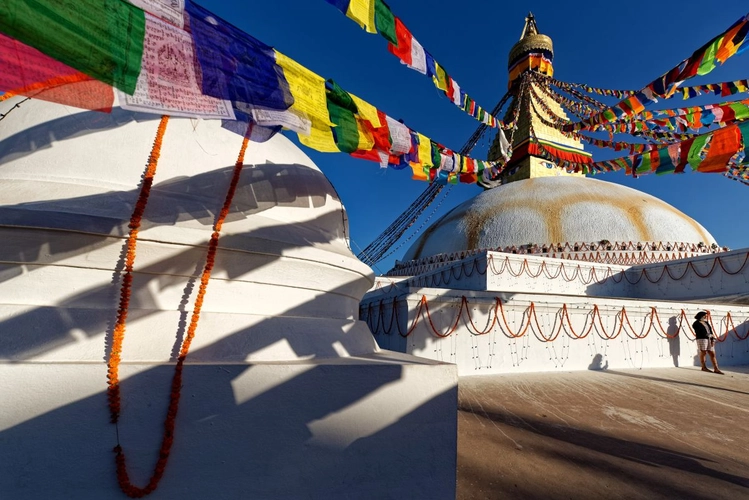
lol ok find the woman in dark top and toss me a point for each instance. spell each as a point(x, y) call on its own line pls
point(705, 341)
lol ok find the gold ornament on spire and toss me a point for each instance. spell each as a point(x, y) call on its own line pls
point(530, 40)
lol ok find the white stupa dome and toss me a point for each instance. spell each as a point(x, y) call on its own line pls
point(70, 179)
point(552, 210)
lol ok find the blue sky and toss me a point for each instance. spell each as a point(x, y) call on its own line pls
point(606, 44)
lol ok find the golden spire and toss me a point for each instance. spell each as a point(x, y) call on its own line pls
point(530, 41)
point(534, 52)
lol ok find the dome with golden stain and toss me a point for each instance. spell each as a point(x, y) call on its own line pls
point(555, 210)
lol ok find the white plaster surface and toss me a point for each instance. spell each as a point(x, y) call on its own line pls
point(481, 346)
point(483, 343)
point(285, 393)
point(370, 427)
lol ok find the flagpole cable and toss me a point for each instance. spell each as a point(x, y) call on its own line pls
point(377, 250)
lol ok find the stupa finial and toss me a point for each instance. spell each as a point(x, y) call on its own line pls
point(530, 27)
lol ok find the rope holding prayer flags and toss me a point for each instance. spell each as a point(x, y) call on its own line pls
point(403, 45)
point(217, 71)
point(701, 62)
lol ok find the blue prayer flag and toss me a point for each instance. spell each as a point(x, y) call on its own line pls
point(235, 66)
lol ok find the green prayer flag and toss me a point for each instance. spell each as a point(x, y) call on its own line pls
point(741, 110)
point(468, 103)
point(101, 38)
point(666, 165)
point(341, 108)
point(385, 22)
point(436, 156)
point(645, 164)
point(694, 158)
point(345, 133)
point(744, 129)
point(340, 97)
point(708, 58)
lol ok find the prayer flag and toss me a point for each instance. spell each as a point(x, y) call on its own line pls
point(341, 109)
point(400, 137)
point(167, 83)
point(101, 38)
point(235, 66)
point(694, 157)
point(367, 111)
point(28, 72)
point(363, 13)
point(385, 21)
point(425, 150)
point(741, 111)
point(729, 47)
point(744, 130)
point(724, 144)
point(456, 93)
point(707, 63)
point(402, 50)
point(171, 11)
point(440, 78)
point(418, 57)
point(310, 105)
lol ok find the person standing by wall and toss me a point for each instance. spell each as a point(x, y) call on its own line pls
point(705, 341)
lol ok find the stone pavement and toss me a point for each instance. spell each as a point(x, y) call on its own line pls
point(610, 434)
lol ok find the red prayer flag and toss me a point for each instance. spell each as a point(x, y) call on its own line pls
point(403, 49)
point(28, 72)
point(381, 137)
point(725, 143)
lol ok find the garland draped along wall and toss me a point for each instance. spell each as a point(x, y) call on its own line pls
point(573, 271)
point(377, 319)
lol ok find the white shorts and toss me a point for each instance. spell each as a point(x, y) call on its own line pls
point(705, 345)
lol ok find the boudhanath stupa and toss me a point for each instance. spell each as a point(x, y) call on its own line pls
point(552, 270)
point(307, 376)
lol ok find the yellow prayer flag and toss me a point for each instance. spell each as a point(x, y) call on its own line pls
point(418, 172)
point(440, 81)
point(425, 150)
point(307, 88)
point(363, 13)
point(320, 138)
point(366, 141)
point(367, 111)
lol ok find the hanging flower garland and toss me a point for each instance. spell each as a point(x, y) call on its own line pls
point(114, 393)
point(118, 335)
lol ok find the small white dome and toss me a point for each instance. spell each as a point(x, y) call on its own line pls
point(557, 210)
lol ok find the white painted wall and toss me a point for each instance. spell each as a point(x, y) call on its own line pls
point(486, 346)
point(724, 274)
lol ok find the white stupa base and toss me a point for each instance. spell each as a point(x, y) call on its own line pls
point(342, 428)
point(285, 393)
point(488, 340)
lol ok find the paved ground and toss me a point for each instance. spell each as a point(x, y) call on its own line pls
point(658, 433)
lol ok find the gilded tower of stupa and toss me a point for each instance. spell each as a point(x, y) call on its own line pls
point(533, 52)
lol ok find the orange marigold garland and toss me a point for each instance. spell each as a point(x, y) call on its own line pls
point(113, 364)
point(168, 437)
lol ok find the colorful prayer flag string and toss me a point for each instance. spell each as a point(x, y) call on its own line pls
point(375, 16)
